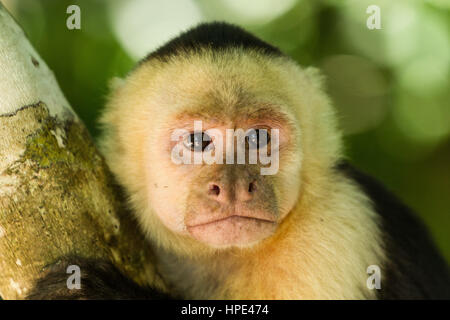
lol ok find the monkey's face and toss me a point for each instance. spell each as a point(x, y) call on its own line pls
point(153, 123)
point(202, 182)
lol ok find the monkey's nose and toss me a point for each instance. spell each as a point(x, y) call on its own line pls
point(243, 192)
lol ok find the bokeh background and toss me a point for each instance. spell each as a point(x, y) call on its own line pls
point(390, 86)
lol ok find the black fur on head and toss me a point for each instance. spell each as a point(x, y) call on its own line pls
point(215, 36)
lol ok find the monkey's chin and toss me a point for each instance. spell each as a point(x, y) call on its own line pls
point(233, 231)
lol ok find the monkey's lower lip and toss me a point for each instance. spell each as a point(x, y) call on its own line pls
point(233, 230)
point(230, 217)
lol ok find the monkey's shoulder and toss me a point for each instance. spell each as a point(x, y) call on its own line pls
point(415, 268)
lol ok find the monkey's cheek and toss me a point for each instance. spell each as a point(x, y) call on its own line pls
point(233, 231)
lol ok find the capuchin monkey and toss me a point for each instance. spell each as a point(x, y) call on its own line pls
point(297, 223)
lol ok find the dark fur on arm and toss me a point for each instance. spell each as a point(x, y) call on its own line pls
point(100, 280)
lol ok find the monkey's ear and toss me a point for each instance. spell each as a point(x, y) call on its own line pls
point(115, 83)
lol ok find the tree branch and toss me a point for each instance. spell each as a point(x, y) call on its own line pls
point(56, 196)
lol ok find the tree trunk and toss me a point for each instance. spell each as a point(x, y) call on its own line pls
point(56, 194)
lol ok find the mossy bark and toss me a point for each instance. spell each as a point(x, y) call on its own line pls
point(59, 199)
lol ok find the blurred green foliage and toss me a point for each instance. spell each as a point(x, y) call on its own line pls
point(390, 85)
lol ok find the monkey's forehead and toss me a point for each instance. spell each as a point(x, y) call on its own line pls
point(221, 98)
point(237, 78)
point(234, 87)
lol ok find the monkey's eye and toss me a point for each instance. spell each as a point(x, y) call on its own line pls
point(197, 141)
point(257, 138)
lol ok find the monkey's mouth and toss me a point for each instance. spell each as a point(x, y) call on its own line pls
point(233, 230)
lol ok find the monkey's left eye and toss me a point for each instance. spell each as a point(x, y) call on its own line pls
point(197, 141)
point(257, 138)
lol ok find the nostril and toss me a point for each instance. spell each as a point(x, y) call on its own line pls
point(251, 187)
point(214, 189)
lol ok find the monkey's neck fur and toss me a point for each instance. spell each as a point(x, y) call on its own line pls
point(320, 251)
